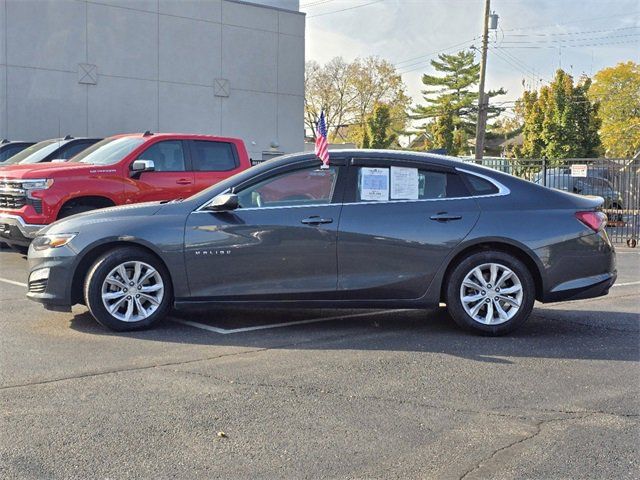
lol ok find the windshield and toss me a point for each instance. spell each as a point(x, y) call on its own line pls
point(108, 151)
point(34, 153)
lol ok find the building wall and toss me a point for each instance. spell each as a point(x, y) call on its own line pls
point(100, 67)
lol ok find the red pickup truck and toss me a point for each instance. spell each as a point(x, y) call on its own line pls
point(118, 170)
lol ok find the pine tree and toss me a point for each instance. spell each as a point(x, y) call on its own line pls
point(451, 100)
point(379, 124)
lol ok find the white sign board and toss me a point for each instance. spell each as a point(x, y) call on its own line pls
point(404, 183)
point(374, 184)
point(578, 170)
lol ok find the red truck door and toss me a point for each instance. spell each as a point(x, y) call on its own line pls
point(213, 161)
point(171, 178)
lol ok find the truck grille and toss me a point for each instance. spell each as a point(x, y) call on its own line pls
point(12, 201)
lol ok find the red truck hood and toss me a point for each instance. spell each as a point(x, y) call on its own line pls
point(51, 170)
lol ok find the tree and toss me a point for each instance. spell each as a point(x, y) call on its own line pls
point(348, 92)
point(559, 120)
point(617, 91)
point(379, 132)
point(451, 100)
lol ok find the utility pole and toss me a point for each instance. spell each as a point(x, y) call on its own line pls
point(482, 100)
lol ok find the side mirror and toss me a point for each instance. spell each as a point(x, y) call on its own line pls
point(139, 166)
point(221, 203)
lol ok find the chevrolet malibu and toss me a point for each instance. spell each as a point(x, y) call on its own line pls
point(377, 229)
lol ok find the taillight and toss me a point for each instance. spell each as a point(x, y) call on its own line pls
point(596, 221)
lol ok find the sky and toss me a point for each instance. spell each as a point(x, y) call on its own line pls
point(533, 39)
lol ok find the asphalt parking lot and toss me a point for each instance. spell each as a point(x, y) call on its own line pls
point(321, 393)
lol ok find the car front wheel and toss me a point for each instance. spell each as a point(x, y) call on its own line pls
point(128, 289)
point(490, 293)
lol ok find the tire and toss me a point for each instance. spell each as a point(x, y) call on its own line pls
point(131, 305)
point(497, 314)
point(67, 212)
point(21, 249)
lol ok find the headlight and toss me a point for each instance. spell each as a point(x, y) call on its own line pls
point(38, 184)
point(52, 240)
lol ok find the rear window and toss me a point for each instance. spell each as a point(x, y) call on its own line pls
point(480, 186)
point(213, 156)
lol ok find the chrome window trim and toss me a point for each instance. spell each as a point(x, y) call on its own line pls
point(502, 191)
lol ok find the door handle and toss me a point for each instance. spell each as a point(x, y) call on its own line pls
point(316, 220)
point(184, 181)
point(444, 217)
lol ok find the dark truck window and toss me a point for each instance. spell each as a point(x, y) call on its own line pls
point(213, 156)
point(9, 151)
point(75, 149)
point(167, 156)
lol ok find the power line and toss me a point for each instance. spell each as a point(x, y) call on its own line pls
point(315, 4)
point(583, 32)
point(344, 9)
point(424, 63)
point(433, 53)
point(572, 46)
point(565, 40)
point(584, 20)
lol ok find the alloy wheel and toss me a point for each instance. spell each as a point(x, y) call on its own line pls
point(132, 291)
point(491, 294)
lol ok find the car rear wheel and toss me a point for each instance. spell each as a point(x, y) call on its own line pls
point(128, 289)
point(490, 293)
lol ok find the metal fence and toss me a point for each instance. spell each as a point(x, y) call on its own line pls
point(615, 180)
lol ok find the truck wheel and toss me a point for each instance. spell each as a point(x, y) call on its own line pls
point(128, 289)
point(68, 211)
point(491, 293)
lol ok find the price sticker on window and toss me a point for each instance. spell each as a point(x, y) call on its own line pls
point(374, 184)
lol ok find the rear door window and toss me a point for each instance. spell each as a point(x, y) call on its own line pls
point(407, 183)
point(207, 156)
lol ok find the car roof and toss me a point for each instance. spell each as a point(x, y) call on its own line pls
point(364, 154)
point(168, 135)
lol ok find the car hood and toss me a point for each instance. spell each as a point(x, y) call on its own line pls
point(51, 170)
point(75, 223)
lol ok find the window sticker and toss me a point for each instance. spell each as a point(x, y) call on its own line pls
point(374, 184)
point(404, 183)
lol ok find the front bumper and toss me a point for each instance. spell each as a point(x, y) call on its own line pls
point(14, 230)
point(53, 291)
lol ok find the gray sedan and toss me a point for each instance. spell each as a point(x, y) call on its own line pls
point(375, 229)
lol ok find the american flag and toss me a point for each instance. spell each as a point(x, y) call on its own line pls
point(322, 147)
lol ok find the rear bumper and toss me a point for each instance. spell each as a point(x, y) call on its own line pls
point(14, 230)
point(582, 267)
point(590, 287)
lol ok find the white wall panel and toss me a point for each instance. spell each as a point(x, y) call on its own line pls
point(44, 104)
point(123, 42)
point(123, 105)
point(189, 50)
point(46, 34)
point(189, 108)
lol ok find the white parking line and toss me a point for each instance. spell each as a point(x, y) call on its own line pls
point(625, 284)
point(227, 331)
point(13, 282)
